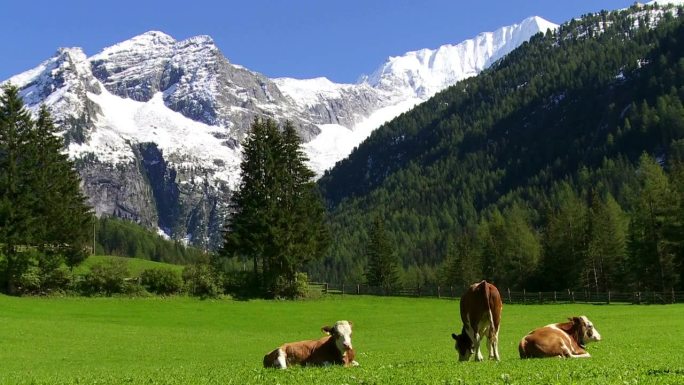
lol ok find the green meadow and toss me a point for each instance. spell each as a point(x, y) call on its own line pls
point(398, 341)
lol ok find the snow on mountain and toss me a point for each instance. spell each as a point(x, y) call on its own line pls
point(184, 142)
point(666, 2)
point(401, 83)
point(155, 124)
point(425, 72)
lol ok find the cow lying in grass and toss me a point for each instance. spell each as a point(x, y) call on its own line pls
point(567, 339)
point(333, 349)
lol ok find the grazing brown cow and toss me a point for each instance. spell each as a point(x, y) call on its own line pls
point(336, 348)
point(481, 315)
point(567, 339)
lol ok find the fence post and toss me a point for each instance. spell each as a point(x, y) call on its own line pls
point(608, 297)
point(418, 290)
point(326, 288)
point(554, 297)
point(510, 300)
point(540, 299)
point(439, 293)
point(524, 297)
point(358, 289)
point(673, 296)
point(654, 297)
point(638, 297)
point(342, 288)
point(572, 296)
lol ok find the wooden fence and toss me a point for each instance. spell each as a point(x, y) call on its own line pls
point(508, 296)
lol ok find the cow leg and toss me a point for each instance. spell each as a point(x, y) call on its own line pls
point(282, 359)
point(584, 355)
point(493, 342)
point(478, 339)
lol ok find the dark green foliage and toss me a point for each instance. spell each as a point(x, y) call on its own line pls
point(278, 221)
point(41, 206)
point(540, 153)
point(106, 279)
point(463, 262)
point(382, 269)
point(201, 281)
point(126, 239)
point(161, 281)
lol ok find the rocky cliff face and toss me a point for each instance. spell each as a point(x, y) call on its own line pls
point(154, 124)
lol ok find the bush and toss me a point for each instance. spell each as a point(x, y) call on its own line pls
point(201, 281)
point(106, 278)
point(29, 281)
point(161, 281)
point(296, 288)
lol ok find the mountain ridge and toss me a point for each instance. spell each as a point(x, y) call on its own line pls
point(153, 100)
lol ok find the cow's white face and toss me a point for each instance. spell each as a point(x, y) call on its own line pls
point(589, 332)
point(342, 333)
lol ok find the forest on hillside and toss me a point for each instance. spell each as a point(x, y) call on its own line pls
point(559, 167)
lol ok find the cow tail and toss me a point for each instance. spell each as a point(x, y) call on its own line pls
point(489, 306)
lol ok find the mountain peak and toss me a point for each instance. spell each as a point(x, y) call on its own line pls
point(425, 72)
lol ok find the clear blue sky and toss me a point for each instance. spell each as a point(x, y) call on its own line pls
point(338, 39)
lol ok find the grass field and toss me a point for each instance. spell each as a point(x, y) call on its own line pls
point(398, 341)
point(135, 265)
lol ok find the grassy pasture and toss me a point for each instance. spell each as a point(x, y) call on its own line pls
point(135, 265)
point(398, 340)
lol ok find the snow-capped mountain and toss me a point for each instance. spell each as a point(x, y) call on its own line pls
point(155, 124)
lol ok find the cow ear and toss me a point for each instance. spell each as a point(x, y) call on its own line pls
point(454, 336)
point(350, 323)
point(326, 329)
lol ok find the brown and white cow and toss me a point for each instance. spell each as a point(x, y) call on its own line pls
point(481, 315)
point(567, 339)
point(335, 348)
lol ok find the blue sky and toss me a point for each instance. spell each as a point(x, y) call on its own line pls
point(340, 39)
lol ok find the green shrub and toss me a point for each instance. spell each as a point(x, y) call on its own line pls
point(201, 281)
point(106, 278)
point(292, 289)
point(29, 281)
point(161, 281)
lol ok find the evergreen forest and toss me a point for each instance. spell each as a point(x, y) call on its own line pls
point(560, 167)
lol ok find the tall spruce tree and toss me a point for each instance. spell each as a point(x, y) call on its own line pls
point(65, 224)
point(41, 205)
point(464, 263)
point(651, 247)
point(382, 264)
point(278, 219)
point(16, 199)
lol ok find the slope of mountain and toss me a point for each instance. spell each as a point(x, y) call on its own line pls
point(574, 106)
point(155, 124)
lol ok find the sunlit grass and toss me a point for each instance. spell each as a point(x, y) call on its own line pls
point(398, 340)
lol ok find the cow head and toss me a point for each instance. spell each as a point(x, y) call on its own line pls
point(464, 345)
point(585, 330)
point(341, 332)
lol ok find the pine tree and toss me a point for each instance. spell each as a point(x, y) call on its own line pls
point(65, 219)
point(247, 230)
point(382, 265)
point(464, 260)
point(302, 232)
point(16, 199)
point(41, 205)
point(278, 218)
point(651, 249)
